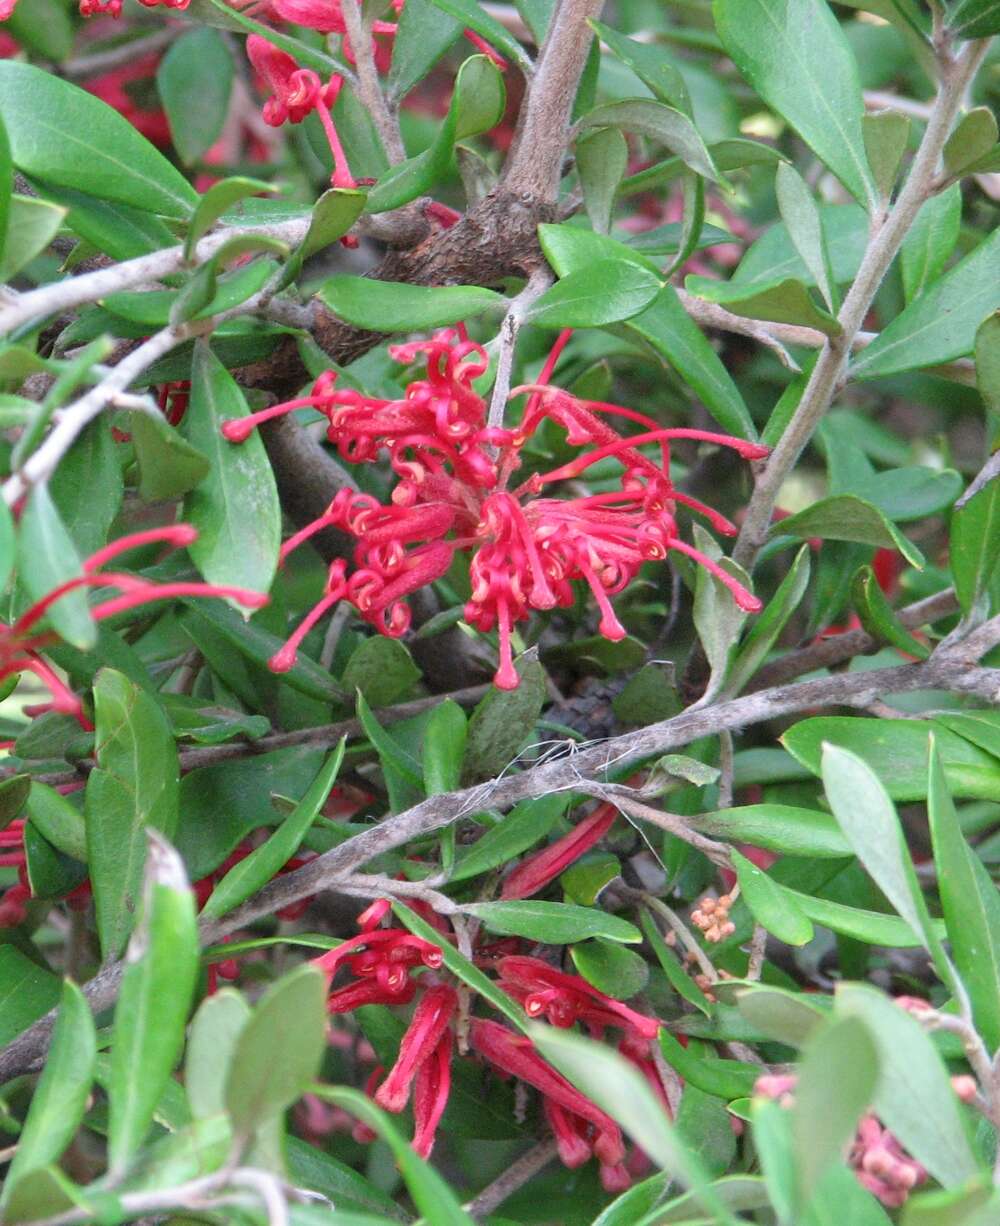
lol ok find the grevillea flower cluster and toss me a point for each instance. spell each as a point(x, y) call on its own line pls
point(22, 641)
point(456, 492)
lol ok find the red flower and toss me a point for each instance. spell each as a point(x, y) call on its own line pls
point(535, 872)
point(20, 646)
point(381, 961)
point(454, 493)
point(567, 999)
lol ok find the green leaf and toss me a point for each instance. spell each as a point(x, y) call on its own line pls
point(423, 35)
point(156, 992)
point(30, 226)
point(444, 748)
point(526, 824)
point(114, 228)
point(611, 968)
point(254, 871)
point(134, 787)
point(382, 669)
point(68, 137)
point(27, 991)
point(502, 722)
point(679, 979)
point(913, 1098)
point(717, 617)
point(8, 545)
point(975, 19)
point(773, 256)
point(664, 124)
point(390, 306)
point(974, 136)
point(220, 196)
point(787, 1017)
point(334, 213)
point(14, 792)
point(941, 323)
point(785, 301)
point(770, 904)
point(845, 517)
point(870, 824)
point(212, 1037)
point(194, 80)
point(723, 1078)
point(236, 508)
point(60, 1097)
point(797, 57)
point(971, 906)
point(988, 361)
point(168, 465)
point(584, 881)
point(553, 923)
point(973, 552)
point(879, 618)
point(766, 628)
point(836, 1083)
point(619, 1089)
point(801, 217)
point(896, 750)
point(601, 160)
point(60, 822)
point(432, 1196)
point(87, 487)
point(772, 1136)
point(886, 135)
point(930, 241)
point(606, 293)
point(43, 26)
point(473, 15)
point(47, 558)
point(869, 927)
point(651, 65)
point(279, 1050)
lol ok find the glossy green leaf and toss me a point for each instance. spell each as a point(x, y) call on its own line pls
point(334, 213)
point(503, 721)
point(30, 226)
point(526, 824)
point(585, 880)
point(974, 136)
point(279, 1050)
point(971, 906)
point(930, 241)
point(42, 26)
point(27, 991)
point(717, 617)
point(553, 923)
point(650, 63)
point(423, 35)
point(886, 135)
point(60, 1097)
point(896, 750)
point(236, 508)
point(168, 464)
point(194, 80)
point(796, 56)
point(773, 256)
point(117, 229)
point(156, 992)
point(444, 748)
point(988, 361)
point(914, 1098)
point(664, 124)
point(390, 306)
point(772, 1136)
point(723, 1078)
point(221, 196)
point(134, 788)
point(973, 552)
point(802, 220)
point(382, 669)
point(765, 628)
point(47, 558)
point(845, 517)
point(879, 618)
point(785, 301)
point(869, 927)
point(611, 968)
point(941, 323)
point(770, 904)
point(836, 1084)
point(975, 19)
point(432, 1196)
point(606, 293)
point(254, 871)
point(617, 1087)
point(60, 822)
point(87, 487)
point(601, 159)
point(68, 137)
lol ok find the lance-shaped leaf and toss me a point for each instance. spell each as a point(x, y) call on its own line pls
point(879, 618)
point(845, 517)
point(60, 1097)
point(783, 300)
point(156, 992)
point(930, 241)
point(800, 214)
point(553, 923)
point(47, 557)
point(771, 904)
point(264, 862)
point(194, 81)
point(975, 529)
point(766, 628)
point(134, 788)
point(605, 293)
point(658, 122)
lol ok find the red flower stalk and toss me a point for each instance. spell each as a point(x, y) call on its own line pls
point(455, 492)
point(19, 646)
point(297, 91)
point(515, 1056)
point(566, 999)
point(535, 872)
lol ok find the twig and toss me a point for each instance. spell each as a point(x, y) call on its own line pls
point(887, 235)
point(629, 804)
point(359, 31)
point(758, 948)
point(538, 283)
point(725, 770)
point(514, 1177)
point(84, 66)
point(685, 934)
point(990, 471)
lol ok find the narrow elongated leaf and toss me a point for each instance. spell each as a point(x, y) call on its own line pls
point(801, 217)
point(156, 992)
point(975, 18)
point(134, 787)
point(236, 508)
point(971, 906)
point(526, 824)
point(796, 56)
point(605, 293)
point(651, 64)
point(658, 122)
point(879, 618)
point(766, 628)
point(47, 557)
point(31, 226)
point(279, 1051)
point(444, 748)
point(503, 721)
point(68, 137)
point(788, 1017)
point(27, 991)
point(554, 923)
point(770, 904)
point(785, 301)
point(168, 464)
point(975, 529)
point(255, 870)
point(914, 1098)
point(423, 35)
point(845, 517)
point(218, 199)
point(389, 306)
point(87, 487)
point(601, 160)
point(60, 1098)
point(930, 241)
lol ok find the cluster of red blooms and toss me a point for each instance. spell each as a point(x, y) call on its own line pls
point(454, 493)
point(876, 1156)
point(390, 966)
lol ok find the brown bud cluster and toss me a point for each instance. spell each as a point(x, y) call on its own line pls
point(712, 916)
